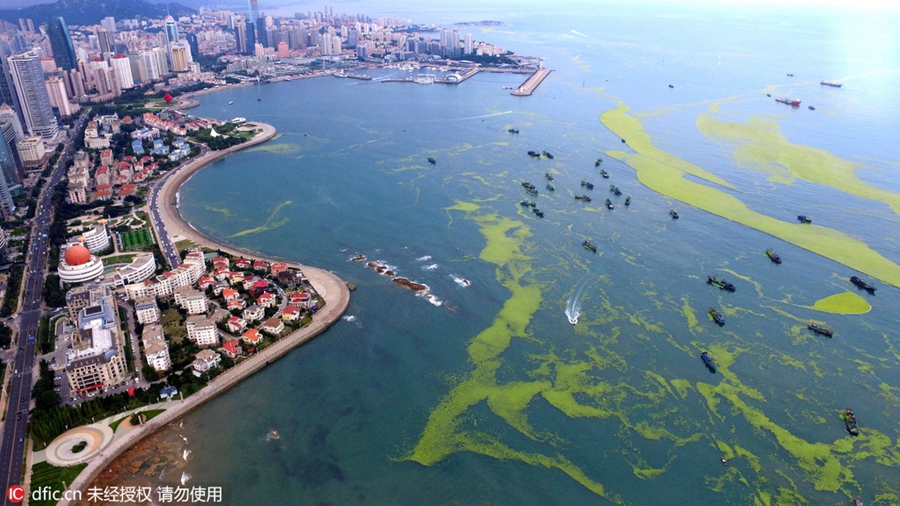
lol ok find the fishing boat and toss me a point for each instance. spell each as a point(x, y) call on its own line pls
point(789, 101)
point(628, 200)
point(548, 155)
point(721, 283)
point(583, 198)
point(818, 329)
point(527, 203)
point(431, 160)
point(856, 501)
point(833, 85)
point(850, 422)
point(609, 205)
point(674, 214)
point(812, 108)
point(589, 245)
point(716, 316)
point(773, 256)
point(710, 363)
point(527, 185)
point(534, 154)
point(513, 130)
point(585, 184)
point(604, 174)
point(537, 212)
point(862, 284)
point(548, 176)
point(598, 162)
point(273, 434)
point(550, 188)
point(802, 218)
point(231, 103)
point(671, 86)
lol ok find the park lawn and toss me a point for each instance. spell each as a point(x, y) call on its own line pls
point(173, 325)
point(118, 259)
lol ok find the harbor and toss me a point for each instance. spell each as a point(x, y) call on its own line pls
point(531, 84)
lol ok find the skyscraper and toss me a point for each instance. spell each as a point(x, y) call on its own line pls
point(10, 163)
point(171, 29)
point(8, 93)
point(61, 43)
point(33, 98)
point(123, 71)
point(105, 40)
point(109, 23)
point(261, 34)
point(251, 36)
point(254, 11)
point(240, 36)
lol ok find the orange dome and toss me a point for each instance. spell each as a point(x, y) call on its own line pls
point(77, 255)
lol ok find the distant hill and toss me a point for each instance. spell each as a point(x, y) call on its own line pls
point(90, 12)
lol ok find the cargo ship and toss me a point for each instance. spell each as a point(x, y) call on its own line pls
point(833, 85)
point(789, 101)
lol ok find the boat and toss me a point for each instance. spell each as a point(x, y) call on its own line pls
point(432, 161)
point(615, 189)
point(812, 108)
point(598, 162)
point(721, 283)
point(856, 501)
point(862, 284)
point(804, 218)
point(773, 256)
point(527, 203)
point(424, 79)
point(534, 154)
point(548, 177)
point(527, 185)
point(818, 329)
point(231, 103)
point(259, 99)
point(790, 75)
point(273, 434)
point(585, 184)
point(550, 188)
point(789, 101)
point(850, 422)
point(710, 363)
point(584, 198)
point(548, 155)
point(833, 85)
point(513, 130)
point(628, 200)
point(589, 245)
point(670, 86)
point(604, 174)
point(716, 316)
point(340, 75)
point(538, 212)
point(609, 205)
point(674, 214)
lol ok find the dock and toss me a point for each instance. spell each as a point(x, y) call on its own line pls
point(531, 84)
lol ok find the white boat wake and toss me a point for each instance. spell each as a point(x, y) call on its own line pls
point(573, 303)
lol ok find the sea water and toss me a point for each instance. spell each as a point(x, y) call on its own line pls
point(493, 397)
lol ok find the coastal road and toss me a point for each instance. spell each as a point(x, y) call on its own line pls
point(12, 449)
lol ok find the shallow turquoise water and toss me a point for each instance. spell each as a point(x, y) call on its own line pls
point(349, 175)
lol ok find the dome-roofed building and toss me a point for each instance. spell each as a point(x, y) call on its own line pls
point(78, 265)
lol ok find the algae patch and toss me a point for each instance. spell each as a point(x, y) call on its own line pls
point(842, 303)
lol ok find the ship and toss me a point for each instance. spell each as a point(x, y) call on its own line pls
point(598, 162)
point(432, 161)
point(818, 329)
point(721, 283)
point(538, 212)
point(585, 184)
point(716, 316)
point(833, 85)
point(710, 363)
point(850, 422)
point(604, 174)
point(548, 177)
point(674, 214)
point(589, 245)
point(812, 108)
point(789, 101)
point(615, 189)
point(534, 154)
point(628, 200)
point(273, 434)
point(548, 155)
point(513, 130)
point(583, 198)
point(609, 205)
point(804, 218)
point(773, 256)
point(862, 284)
point(527, 203)
point(231, 102)
point(527, 185)
point(856, 501)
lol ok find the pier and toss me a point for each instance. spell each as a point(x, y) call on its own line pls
point(531, 84)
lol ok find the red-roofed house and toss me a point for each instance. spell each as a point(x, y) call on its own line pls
point(279, 267)
point(236, 277)
point(237, 303)
point(252, 336)
point(205, 282)
point(259, 287)
point(102, 195)
point(266, 300)
point(221, 273)
point(242, 263)
point(236, 325)
point(231, 349)
point(230, 293)
point(220, 262)
point(300, 299)
point(290, 313)
point(124, 192)
point(259, 265)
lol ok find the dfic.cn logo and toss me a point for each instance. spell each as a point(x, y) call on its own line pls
point(15, 493)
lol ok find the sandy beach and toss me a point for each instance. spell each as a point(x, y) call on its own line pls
point(331, 288)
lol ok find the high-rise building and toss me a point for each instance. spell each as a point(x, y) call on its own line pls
point(56, 89)
point(61, 43)
point(171, 29)
point(10, 163)
point(123, 71)
point(251, 36)
point(8, 93)
point(469, 43)
point(181, 57)
point(33, 98)
point(105, 40)
point(9, 115)
point(240, 37)
point(109, 23)
point(162, 63)
point(254, 11)
point(138, 68)
point(261, 34)
point(151, 63)
point(194, 44)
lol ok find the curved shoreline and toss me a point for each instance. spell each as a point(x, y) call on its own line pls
point(329, 286)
